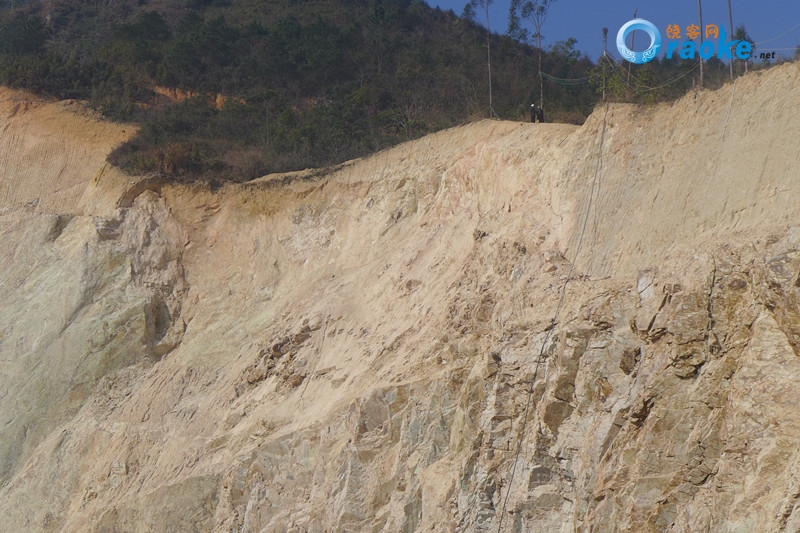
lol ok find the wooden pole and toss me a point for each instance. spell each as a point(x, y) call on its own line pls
point(633, 34)
point(730, 20)
point(700, 12)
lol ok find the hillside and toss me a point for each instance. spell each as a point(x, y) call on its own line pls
point(355, 349)
point(233, 89)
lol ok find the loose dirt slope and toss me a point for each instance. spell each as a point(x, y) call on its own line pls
point(353, 350)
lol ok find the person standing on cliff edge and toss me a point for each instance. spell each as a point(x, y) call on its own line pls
point(534, 113)
point(540, 115)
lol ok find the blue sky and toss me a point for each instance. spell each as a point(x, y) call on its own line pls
point(765, 20)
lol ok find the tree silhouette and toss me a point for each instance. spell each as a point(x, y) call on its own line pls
point(535, 12)
point(742, 35)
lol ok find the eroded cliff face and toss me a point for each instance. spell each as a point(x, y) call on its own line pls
point(372, 347)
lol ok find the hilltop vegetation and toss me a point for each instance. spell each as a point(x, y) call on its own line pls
point(281, 85)
point(304, 83)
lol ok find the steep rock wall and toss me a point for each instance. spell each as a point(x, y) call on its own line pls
point(371, 347)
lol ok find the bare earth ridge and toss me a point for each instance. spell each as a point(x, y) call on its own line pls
point(354, 349)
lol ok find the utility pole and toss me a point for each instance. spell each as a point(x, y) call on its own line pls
point(730, 20)
point(605, 58)
point(489, 56)
point(633, 34)
point(700, 12)
point(538, 13)
point(541, 79)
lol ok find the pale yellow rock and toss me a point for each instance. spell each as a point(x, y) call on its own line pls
point(354, 349)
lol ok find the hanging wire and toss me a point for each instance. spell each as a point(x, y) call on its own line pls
point(621, 70)
point(552, 326)
point(781, 35)
point(565, 81)
point(643, 87)
point(670, 82)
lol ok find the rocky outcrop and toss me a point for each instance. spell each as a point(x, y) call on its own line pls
point(445, 336)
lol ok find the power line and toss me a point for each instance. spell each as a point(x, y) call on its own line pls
point(642, 84)
point(565, 81)
point(781, 35)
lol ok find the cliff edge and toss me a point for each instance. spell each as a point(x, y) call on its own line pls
point(502, 326)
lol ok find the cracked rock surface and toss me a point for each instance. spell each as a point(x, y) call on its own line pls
point(373, 347)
